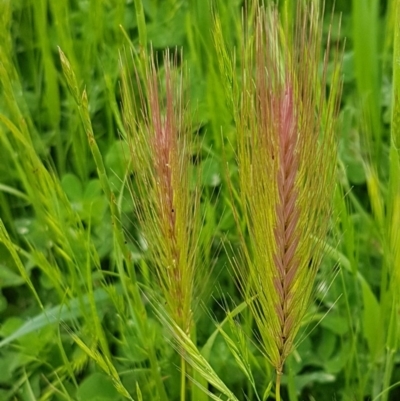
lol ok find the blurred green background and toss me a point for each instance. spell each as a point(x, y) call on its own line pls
point(70, 265)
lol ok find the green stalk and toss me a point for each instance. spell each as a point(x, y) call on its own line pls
point(183, 378)
point(141, 21)
point(395, 123)
point(388, 374)
point(278, 386)
point(390, 300)
point(365, 17)
point(287, 16)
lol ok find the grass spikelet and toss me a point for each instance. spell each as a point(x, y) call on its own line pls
point(166, 205)
point(286, 158)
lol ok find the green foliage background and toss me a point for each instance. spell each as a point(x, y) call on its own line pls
point(75, 320)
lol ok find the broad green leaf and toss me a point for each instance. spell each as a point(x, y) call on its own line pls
point(72, 186)
point(97, 387)
point(335, 323)
point(372, 322)
point(8, 278)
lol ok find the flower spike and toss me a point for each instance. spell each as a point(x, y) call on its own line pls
point(287, 158)
point(167, 206)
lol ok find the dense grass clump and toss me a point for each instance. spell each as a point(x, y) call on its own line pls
point(199, 200)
